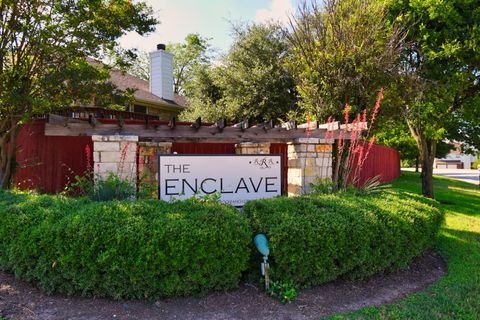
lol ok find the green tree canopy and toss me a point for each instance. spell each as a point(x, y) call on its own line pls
point(188, 55)
point(251, 81)
point(342, 52)
point(439, 76)
point(395, 134)
point(44, 46)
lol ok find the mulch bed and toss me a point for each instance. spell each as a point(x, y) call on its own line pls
point(20, 300)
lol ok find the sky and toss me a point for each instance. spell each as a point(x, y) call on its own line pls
point(209, 18)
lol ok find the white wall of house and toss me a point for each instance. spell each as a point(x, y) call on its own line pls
point(466, 159)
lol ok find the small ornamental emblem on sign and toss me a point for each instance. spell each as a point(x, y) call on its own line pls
point(264, 163)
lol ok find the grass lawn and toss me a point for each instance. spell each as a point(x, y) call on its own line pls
point(457, 295)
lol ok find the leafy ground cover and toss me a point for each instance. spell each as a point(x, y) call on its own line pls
point(457, 295)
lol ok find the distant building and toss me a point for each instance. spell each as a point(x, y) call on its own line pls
point(456, 159)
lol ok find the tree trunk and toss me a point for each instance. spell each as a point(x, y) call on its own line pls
point(427, 149)
point(427, 168)
point(8, 150)
point(417, 163)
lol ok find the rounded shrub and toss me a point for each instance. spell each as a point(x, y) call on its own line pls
point(315, 239)
point(122, 249)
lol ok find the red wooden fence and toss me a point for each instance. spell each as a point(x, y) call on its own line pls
point(48, 163)
point(381, 161)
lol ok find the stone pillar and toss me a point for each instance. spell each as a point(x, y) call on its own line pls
point(116, 154)
point(308, 160)
point(252, 148)
point(148, 163)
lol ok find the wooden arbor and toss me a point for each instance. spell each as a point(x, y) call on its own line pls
point(173, 131)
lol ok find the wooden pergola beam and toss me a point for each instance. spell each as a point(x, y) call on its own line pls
point(181, 133)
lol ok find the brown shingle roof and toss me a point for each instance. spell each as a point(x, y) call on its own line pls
point(142, 88)
point(142, 92)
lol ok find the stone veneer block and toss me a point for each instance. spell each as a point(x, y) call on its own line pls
point(294, 172)
point(106, 146)
point(294, 190)
point(307, 141)
point(114, 138)
point(310, 162)
point(310, 148)
point(324, 148)
point(252, 148)
point(128, 146)
point(313, 141)
point(323, 160)
point(106, 167)
point(296, 162)
point(115, 156)
point(99, 138)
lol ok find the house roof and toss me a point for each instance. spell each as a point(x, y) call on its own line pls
point(142, 92)
point(124, 80)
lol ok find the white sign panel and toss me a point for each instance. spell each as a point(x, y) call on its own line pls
point(237, 178)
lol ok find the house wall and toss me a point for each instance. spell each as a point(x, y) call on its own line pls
point(466, 159)
point(159, 111)
point(455, 155)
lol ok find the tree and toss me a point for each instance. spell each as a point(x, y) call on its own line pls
point(439, 76)
point(343, 52)
point(188, 56)
point(134, 62)
point(204, 94)
point(251, 81)
point(464, 126)
point(395, 134)
point(44, 46)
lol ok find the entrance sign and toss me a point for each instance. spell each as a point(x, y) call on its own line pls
point(236, 178)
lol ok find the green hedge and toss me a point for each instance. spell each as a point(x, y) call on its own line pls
point(315, 239)
point(149, 248)
point(139, 249)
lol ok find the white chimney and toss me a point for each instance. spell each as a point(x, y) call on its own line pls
point(161, 73)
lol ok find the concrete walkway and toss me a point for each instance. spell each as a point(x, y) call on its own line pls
point(467, 175)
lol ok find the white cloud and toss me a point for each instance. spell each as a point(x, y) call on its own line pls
point(279, 11)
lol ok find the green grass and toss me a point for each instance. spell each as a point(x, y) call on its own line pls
point(457, 295)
